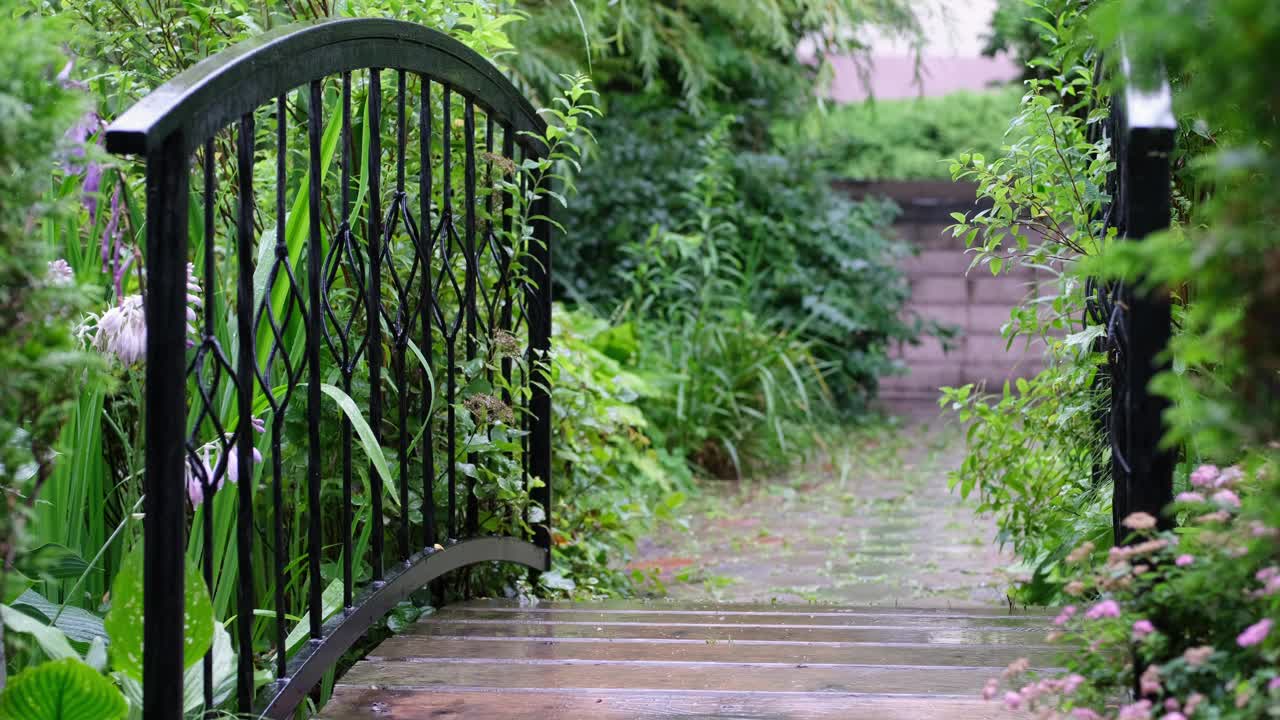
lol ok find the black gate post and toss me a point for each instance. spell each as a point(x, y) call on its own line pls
point(164, 526)
point(1143, 471)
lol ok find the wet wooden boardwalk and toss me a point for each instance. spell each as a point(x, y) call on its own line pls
point(490, 660)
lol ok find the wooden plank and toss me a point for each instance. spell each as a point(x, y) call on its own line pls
point(356, 703)
point(664, 605)
point(907, 680)
point(659, 617)
point(722, 633)
point(422, 648)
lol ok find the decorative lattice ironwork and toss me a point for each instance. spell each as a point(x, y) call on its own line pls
point(421, 306)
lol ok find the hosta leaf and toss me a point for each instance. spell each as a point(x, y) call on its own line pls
point(124, 620)
point(78, 624)
point(51, 560)
point(64, 689)
point(50, 639)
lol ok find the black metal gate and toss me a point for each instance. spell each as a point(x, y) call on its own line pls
point(410, 291)
point(1138, 322)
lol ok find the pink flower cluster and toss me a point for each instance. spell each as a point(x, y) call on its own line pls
point(1255, 633)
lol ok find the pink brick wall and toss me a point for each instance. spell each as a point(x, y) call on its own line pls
point(943, 289)
point(975, 302)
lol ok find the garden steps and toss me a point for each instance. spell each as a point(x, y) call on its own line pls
point(638, 659)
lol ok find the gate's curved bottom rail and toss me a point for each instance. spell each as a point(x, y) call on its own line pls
point(317, 656)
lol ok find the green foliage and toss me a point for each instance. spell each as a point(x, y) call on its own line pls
point(612, 484)
point(1036, 456)
point(811, 264)
point(737, 378)
point(698, 53)
point(910, 139)
point(65, 689)
point(1223, 260)
point(1018, 28)
point(1194, 609)
point(124, 621)
point(37, 349)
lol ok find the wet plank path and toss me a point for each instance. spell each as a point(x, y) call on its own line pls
point(856, 589)
point(487, 660)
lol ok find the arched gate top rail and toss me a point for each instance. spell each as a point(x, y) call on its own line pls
point(223, 87)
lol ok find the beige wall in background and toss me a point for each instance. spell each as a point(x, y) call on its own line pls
point(951, 59)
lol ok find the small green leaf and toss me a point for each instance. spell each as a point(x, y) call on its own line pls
point(124, 620)
point(65, 689)
point(996, 265)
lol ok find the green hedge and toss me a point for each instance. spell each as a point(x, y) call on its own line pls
point(911, 139)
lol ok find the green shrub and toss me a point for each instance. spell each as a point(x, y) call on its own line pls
point(912, 139)
point(818, 267)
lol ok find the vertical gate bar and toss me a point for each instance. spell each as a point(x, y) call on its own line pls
point(164, 530)
point(401, 328)
point(344, 236)
point(505, 208)
point(244, 383)
point(374, 173)
point(425, 247)
point(540, 380)
point(278, 413)
point(446, 257)
point(1146, 177)
point(210, 185)
point(277, 419)
point(473, 271)
point(315, 278)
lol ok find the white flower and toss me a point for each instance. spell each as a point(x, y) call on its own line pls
point(122, 331)
point(60, 272)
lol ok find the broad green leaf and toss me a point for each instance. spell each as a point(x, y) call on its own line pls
point(78, 624)
point(372, 449)
point(224, 674)
point(65, 689)
point(124, 620)
point(49, 638)
point(51, 561)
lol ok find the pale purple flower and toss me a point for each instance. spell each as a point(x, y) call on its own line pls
point(1205, 476)
point(990, 689)
point(1266, 574)
point(1071, 683)
point(122, 331)
point(1184, 560)
point(1175, 715)
point(1226, 498)
point(1067, 613)
point(60, 273)
point(194, 302)
point(1255, 633)
point(1189, 497)
point(1142, 628)
point(1012, 700)
point(1273, 684)
point(199, 474)
point(1139, 521)
point(1085, 714)
point(1104, 609)
point(1197, 656)
point(1149, 682)
point(1140, 710)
